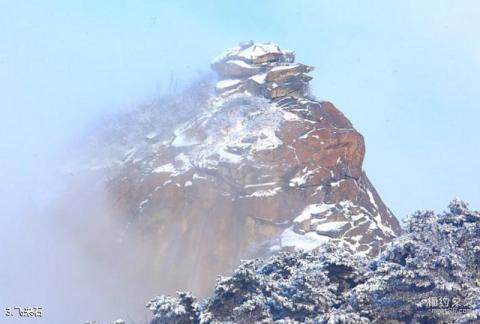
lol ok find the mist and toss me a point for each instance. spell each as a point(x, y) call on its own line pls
point(69, 246)
point(64, 251)
point(71, 260)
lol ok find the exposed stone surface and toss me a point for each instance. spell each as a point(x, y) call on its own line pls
point(261, 69)
point(245, 174)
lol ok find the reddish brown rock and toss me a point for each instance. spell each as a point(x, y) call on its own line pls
point(246, 185)
point(246, 174)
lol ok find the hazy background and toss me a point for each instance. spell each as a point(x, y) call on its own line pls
point(406, 73)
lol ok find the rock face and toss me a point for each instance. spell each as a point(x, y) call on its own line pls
point(261, 69)
point(258, 167)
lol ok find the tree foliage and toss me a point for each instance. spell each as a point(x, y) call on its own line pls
point(428, 275)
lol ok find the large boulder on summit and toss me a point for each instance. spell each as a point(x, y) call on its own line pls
point(237, 68)
point(264, 69)
point(254, 53)
point(257, 167)
point(293, 89)
point(285, 73)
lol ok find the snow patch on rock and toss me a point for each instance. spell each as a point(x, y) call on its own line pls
point(307, 241)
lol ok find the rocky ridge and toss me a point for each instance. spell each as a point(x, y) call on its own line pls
point(257, 167)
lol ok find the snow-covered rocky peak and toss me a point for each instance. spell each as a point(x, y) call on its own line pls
point(245, 171)
point(261, 69)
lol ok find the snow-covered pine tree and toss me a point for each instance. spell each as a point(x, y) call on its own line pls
point(428, 275)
